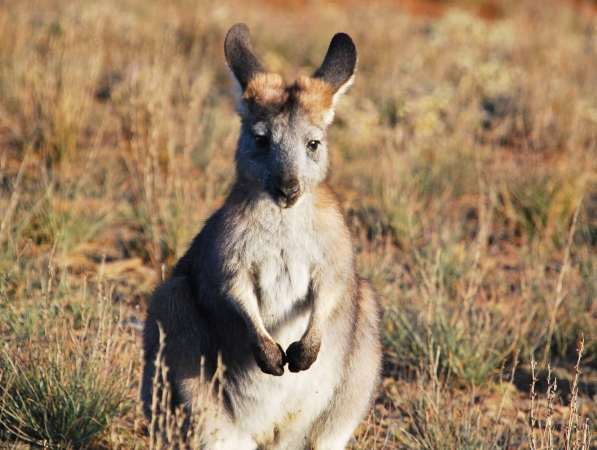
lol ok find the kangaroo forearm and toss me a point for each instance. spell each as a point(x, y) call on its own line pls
point(326, 294)
point(269, 356)
point(302, 354)
point(241, 293)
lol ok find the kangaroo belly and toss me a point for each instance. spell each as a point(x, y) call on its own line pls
point(265, 406)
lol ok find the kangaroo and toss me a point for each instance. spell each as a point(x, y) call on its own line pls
point(270, 281)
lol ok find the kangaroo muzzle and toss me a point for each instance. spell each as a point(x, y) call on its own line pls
point(286, 191)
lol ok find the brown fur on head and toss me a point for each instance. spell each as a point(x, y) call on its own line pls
point(267, 94)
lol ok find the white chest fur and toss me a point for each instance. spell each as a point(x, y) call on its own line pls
point(283, 253)
point(283, 281)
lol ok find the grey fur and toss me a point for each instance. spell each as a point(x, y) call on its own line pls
point(270, 283)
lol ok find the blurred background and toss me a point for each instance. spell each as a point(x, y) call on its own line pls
point(464, 156)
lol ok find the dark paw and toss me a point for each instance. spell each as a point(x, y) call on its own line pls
point(270, 357)
point(300, 356)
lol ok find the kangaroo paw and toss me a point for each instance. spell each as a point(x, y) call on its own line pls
point(302, 354)
point(270, 357)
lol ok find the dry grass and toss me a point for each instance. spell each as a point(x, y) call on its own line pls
point(465, 155)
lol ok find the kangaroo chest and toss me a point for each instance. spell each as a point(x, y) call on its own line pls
point(282, 279)
point(283, 259)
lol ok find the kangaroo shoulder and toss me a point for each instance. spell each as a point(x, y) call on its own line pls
point(331, 223)
point(329, 212)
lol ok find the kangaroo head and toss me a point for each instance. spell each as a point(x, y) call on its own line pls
point(282, 146)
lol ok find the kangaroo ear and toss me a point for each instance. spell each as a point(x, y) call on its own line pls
point(239, 54)
point(339, 65)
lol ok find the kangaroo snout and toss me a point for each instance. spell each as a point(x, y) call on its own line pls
point(287, 191)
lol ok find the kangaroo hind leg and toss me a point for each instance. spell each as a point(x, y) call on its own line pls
point(357, 390)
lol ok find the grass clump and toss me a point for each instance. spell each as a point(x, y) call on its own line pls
point(43, 403)
point(61, 380)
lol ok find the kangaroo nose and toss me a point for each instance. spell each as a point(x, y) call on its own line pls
point(288, 189)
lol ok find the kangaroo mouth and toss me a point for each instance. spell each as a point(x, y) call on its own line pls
point(285, 191)
point(285, 202)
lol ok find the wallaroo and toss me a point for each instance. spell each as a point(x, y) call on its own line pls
point(270, 282)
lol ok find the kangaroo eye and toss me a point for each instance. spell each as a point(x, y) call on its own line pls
point(312, 145)
point(262, 141)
